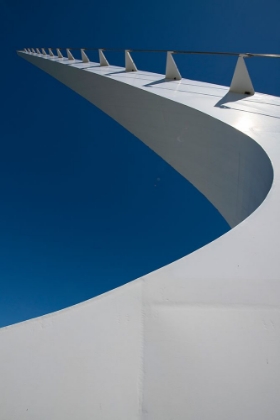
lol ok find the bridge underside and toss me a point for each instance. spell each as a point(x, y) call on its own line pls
point(200, 338)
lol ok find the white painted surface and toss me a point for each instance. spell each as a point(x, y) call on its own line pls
point(171, 71)
point(59, 53)
point(198, 339)
point(69, 55)
point(85, 58)
point(241, 81)
point(102, 59)
point(129, 63)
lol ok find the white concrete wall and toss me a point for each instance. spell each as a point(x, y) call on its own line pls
point(198, 339)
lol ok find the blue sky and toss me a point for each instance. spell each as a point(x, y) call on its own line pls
point(85, 206)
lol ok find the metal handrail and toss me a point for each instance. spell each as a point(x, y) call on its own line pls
point(236, 54)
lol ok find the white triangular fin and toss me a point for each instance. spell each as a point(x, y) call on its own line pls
point(172, 71)
point(32, 49)
point(38, 51)
point(59, 53)
point(84, 57)
point(129, 63)
point(29, 50)
point(241, 81)
point(102, 59)
point(50, 52)
point(43, 51)
point(69, 55)
point(25, 50)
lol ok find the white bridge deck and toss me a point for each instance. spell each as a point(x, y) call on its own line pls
point(198, 339)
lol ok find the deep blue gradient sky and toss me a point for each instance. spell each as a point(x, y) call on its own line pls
point(85, 206)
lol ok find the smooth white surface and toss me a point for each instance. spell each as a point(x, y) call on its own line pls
point(241, 81)
point(69, 55)
point(129, 63)
point(102, 59)
point(171, 71)
point(85, 58)
point(59, 53)
point(198, 339)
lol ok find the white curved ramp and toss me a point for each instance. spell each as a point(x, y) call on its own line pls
point(198, 339)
